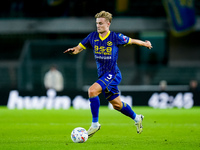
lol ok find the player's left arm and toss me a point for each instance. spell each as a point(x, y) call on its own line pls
point(141, 43)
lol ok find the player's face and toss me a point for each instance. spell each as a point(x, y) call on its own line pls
point(102, 25)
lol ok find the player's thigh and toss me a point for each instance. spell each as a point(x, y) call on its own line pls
point(116, 103)
point(94, 90)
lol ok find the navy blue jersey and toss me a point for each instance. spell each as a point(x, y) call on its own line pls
point(105, 50)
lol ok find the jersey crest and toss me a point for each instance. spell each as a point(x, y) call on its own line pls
point(109, 43)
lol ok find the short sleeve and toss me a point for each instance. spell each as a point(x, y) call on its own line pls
point(122, 39)
point(85, 43)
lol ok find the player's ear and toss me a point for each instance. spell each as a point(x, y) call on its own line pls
point(109, 23)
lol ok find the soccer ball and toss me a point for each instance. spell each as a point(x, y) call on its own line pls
point(79, 135)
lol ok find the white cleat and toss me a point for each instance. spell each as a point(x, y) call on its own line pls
point(91, 131)
point(139, 125)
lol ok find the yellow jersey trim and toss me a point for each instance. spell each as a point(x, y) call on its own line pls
point(103, 38)
point(81, 45)
point(129, 41)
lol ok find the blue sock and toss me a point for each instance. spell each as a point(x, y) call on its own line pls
point(94, 105)
point(127, 110)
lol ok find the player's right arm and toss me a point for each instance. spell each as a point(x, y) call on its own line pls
point(74, 50)
point(80, 47)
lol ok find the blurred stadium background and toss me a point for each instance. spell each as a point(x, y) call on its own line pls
point(34, 34)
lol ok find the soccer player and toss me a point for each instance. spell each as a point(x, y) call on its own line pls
point(105, 45)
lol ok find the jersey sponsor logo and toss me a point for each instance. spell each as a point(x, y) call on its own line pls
point(102, 50)
point(96, 40)
point(103, 57)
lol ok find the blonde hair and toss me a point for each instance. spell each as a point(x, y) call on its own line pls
point(104, 14)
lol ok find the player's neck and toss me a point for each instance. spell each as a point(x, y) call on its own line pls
point(104, 33)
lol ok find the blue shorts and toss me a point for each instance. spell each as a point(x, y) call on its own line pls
point(109, 83)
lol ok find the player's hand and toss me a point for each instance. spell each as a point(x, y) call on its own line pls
point(148, 44)
point(70, 51)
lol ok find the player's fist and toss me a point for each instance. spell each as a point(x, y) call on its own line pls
point(69, 51)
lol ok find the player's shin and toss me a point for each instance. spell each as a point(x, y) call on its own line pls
point(127, 110)
point(94, 105)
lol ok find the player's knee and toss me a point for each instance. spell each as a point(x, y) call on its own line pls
point(92, 92)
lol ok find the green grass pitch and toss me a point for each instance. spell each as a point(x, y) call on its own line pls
point(164, 129)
